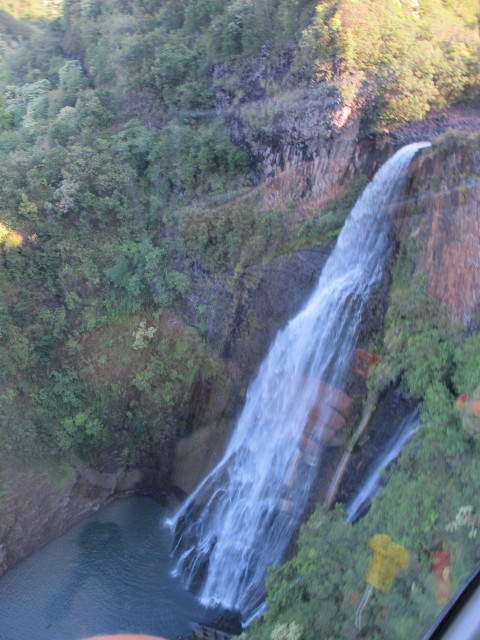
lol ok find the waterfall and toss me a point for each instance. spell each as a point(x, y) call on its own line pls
point(370, 487)
point(241, 518)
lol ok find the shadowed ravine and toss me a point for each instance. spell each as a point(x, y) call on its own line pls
point(241, 518)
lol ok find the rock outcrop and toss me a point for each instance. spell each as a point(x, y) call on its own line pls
point(308, 143)
point(37, 508)
point(443, 212)
point(267, 297)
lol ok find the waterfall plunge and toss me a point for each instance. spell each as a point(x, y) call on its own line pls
point(232, 528)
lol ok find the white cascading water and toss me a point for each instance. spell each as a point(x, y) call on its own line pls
point(234, 525)
point(370, 488)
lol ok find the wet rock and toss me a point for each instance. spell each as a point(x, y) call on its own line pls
point(3, 559)
point(229, 621)
point(392, 409)
point(198, 453)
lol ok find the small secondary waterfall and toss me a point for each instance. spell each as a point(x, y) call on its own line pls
point(241, 518)
point(370, 487)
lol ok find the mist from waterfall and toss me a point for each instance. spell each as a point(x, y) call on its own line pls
point(241, 518)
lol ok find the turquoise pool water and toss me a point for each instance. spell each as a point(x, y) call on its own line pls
point(110, 573)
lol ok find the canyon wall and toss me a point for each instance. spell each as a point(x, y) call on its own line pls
point(441, 216)
point(443, 222)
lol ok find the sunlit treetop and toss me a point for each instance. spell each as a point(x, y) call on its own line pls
point(32, 9)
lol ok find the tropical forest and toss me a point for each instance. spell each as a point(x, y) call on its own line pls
point(239, 317)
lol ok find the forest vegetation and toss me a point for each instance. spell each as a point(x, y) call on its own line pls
point(117, 174)
point(120, 176)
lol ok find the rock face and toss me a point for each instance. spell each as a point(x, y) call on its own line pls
point(37, 509)
point(269, 295)
point(307, 143)
point(444, 221)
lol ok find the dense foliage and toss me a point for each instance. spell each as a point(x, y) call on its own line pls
point(428, 505)
point(416, 55)
point(88, 252)
point(409, 56)
point(117, 181)
point(121, 181)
